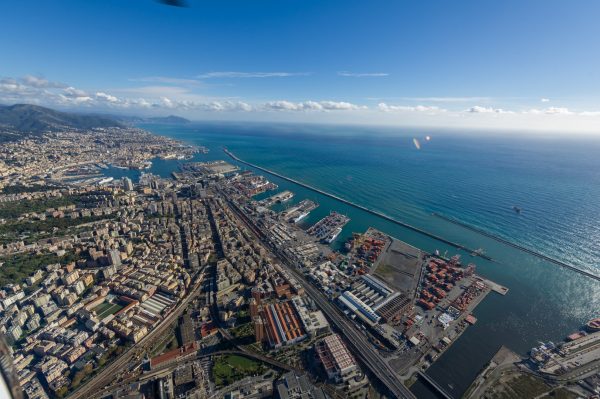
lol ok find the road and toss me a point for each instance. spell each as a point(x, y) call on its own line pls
point(359, 345)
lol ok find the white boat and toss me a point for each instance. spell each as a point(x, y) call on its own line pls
point(333, 235)
point(105, 180)
point(300, 217)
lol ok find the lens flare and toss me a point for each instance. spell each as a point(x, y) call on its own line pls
point(417, 144)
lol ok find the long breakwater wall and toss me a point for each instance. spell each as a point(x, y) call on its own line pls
point(519, 247)
point(363, 208)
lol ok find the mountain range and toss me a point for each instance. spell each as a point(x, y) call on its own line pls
point(20, 120)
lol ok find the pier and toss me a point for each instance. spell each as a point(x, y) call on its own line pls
point(363, 208)
point(519, 247)
point(431, 382)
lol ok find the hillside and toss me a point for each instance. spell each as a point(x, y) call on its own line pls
point(171, 119)
point(34, 120)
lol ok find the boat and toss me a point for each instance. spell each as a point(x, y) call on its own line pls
point(332, 236)
point(478, 252)
point(284, 197)
point(516, 209)
point(105, 180)
point(300, 217)
point(593, 325)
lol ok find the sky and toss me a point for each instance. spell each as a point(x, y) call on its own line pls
point(475, 64)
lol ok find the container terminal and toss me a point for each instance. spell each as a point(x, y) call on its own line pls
point(328, 228)
point(298, 212)
point(381, 286)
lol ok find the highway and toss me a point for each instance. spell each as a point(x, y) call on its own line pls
point(359, 345)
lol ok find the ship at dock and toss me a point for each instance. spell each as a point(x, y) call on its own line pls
point(332, 236)
point(593, 325)
point(279, 198)
point(299, 217)
point(299, 211)
point(329, 228)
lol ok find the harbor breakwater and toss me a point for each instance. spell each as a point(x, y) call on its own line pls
point(517, 246)
point(363, 208)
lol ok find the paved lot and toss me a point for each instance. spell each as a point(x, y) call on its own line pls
point(400, 267)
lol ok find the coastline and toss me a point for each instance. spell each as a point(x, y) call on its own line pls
point(516, 270)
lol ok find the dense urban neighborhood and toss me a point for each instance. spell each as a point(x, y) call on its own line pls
point(188, 287)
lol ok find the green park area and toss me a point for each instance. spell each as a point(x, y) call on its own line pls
point(230, 368)
point(14, 209)
point(31, 231)
point(20, 189)
point(17, 267)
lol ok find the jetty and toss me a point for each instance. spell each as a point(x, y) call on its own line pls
point(519, 247)
point(363, 208)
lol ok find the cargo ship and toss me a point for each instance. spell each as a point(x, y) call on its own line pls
point(593, 325)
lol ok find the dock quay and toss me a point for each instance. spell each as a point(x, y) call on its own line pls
point(517, 246)
point(497, 288)
point(363, 208)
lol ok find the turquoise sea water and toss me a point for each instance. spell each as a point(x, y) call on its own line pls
point(476, 178)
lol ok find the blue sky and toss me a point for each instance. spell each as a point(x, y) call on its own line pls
point(467, 63)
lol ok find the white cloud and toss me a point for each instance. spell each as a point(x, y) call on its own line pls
point(233, 74)
point(545, 100)
point(363, 75)
point(549, 111)
point(225, 106)
point(169, 97)
point(284, 105)
point(338, 105)
point(477, 109)
point(74, 93)
point(409, 108)
point(447, 99)
point(11, 87)
point(39, 82)
point(106, 97)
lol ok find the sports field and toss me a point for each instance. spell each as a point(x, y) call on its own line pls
point(106, 309)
